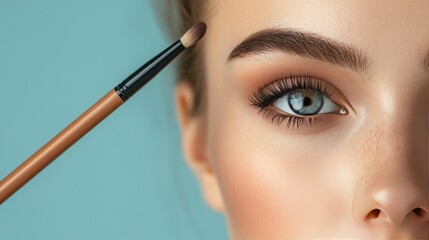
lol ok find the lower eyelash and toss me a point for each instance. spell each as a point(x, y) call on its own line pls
point(291, 121)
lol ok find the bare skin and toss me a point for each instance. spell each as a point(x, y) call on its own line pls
point(360, 175)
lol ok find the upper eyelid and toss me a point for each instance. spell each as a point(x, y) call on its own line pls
point(293, 77)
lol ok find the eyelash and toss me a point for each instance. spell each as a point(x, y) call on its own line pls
point(265, 96)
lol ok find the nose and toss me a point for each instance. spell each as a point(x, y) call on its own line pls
point(395, 204)
point(392, 189)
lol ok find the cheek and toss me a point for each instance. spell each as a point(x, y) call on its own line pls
point(251, 181)
point(273, 184)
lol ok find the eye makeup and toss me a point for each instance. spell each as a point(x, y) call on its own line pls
point(303, 96)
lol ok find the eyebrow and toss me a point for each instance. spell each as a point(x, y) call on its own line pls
point(304, 44)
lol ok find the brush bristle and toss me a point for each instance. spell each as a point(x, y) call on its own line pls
point(194, 34)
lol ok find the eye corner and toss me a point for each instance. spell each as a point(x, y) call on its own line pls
point(343, 111)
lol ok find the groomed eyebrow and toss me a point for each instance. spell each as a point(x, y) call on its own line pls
point(304, 44)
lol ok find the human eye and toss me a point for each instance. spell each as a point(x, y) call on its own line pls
point(296, 99)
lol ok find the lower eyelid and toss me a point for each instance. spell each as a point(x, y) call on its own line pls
point(278, 118)
point(302, 125)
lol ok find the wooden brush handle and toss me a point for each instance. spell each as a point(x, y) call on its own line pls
point(60, 143)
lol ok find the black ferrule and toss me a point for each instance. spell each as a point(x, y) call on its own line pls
point(149, 70)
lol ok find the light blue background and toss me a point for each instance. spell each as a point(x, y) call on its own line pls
point(126, 179)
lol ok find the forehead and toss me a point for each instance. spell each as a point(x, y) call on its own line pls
point(389, 32)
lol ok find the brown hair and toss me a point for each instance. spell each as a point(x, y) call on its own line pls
point(180, 16)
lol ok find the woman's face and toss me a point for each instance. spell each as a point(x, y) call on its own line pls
point(340, 150)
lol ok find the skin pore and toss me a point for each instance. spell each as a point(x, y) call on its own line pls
point(360, 175)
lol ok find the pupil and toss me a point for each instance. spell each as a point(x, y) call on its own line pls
point(307, 101)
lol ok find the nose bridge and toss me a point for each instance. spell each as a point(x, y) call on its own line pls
point(395, 135)
point(393, 165)
point(403, 134)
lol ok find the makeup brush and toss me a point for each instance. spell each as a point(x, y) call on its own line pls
point(96, 113)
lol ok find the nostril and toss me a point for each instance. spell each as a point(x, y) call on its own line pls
point(420, 212)
point(373, 214)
